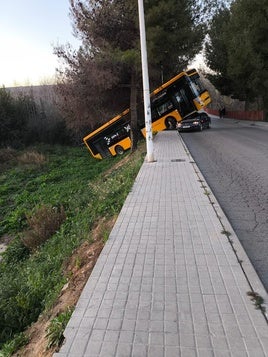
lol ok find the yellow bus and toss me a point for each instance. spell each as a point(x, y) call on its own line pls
point(180, 97)
point(202, 97)
point(111, 138)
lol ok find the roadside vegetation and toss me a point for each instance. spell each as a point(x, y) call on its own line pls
point(52, 197)
point(236, 52)
point(57, 204)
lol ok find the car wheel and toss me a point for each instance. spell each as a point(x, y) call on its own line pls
point(203, 116)
point(119, 150)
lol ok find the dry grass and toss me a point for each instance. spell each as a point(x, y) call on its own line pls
point(10, 157)
point(7, 155)
point(43, 223)
point(78, 274)
point(32, 157)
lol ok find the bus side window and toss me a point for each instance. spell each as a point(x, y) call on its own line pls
point(198, 85)
point(177, 97)
point(155, 114)
point(164, 107)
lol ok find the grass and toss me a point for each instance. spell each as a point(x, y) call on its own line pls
point(56, 328)
point(226, 233)
point(257, 299)
point(53, 179)
point(24, 187)
point(13, 345)
point(43, 223)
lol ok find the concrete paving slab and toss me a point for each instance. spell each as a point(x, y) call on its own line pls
point(172, 279)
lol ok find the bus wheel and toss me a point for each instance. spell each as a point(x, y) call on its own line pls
point(119, 150)
point(170, 123)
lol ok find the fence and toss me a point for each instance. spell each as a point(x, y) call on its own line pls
point(255, 115)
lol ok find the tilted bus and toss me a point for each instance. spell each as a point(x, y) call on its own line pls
point(173, 101)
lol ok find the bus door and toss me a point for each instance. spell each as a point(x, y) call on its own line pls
point(184, 102)
point(102, 148)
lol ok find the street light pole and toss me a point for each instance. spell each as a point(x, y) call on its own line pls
point(146, 90)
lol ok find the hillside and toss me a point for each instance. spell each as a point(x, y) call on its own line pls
point(76, 199)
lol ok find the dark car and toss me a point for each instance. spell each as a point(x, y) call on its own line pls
point(198, 122)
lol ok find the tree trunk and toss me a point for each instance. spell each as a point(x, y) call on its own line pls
point(133, 110)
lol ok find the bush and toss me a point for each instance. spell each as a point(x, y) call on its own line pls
point(7, 155)
point(12, 346)
point(56, 328)
point(15, 252)
point(26, 121)
point(30, 283)
point(43, 223)
point(32, 157)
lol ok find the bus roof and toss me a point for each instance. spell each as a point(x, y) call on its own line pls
point(172, 80)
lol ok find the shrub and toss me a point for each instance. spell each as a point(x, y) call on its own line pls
point(32, 157)
point(30, 285)
point(43, 223)
point(7, 155)
point(15, 252)
point(56, 328)
point(12, 346)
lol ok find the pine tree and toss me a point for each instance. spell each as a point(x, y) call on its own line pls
point(248, 49)
point(237, 50)
point(105, 71)
point(216, 52)
point(174, 35)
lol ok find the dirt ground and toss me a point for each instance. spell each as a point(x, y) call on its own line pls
point(79, 269)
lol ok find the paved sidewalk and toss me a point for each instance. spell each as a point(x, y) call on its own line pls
point(168, 282)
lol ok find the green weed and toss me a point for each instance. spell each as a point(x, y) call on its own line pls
point(56, 328)
point(12, 346)
point(257, 299)
point(226, 233)
point(105, 236)
point(31, 279)
point(15, 253)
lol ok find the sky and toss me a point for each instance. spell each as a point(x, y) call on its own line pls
point(29, 30)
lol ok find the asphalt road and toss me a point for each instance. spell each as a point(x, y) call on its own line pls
point(233, 157)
